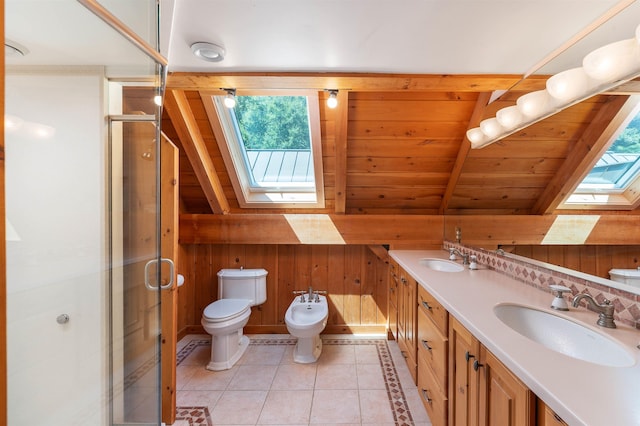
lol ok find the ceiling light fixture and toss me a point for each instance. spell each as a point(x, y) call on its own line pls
point(230, 99)
point(332, 100)
point(602, 69)
point(208, 51)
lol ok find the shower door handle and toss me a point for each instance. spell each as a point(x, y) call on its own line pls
point(168, 285)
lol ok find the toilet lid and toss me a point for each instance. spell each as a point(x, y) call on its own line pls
point(224, 309)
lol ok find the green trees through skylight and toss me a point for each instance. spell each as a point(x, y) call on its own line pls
point(273, 122)
point(628, 142)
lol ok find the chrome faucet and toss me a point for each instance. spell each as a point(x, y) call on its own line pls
point(604, 310)
point(454, 251)
point(310, 297)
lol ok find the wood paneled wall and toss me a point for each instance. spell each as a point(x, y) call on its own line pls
point(590, 259)
point(355, 277)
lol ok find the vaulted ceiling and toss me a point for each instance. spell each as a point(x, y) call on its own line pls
point(396, 144)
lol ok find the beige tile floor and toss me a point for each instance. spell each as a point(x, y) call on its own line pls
point(346, 386)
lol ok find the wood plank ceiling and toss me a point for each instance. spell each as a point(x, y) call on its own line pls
point(396, 145)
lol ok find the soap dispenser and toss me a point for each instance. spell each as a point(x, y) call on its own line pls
point(559, 303)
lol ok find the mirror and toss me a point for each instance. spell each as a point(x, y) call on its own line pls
point(617, 22)
point(612, 27)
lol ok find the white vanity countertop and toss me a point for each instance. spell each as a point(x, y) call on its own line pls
point(580, 392)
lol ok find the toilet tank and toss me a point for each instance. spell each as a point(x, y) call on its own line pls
point(248, 284)
point(627, 276)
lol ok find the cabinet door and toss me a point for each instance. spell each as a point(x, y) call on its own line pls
point(464, 349)
point(546, 417)
point(393, 299)
point(412, 315)
point(504, 399)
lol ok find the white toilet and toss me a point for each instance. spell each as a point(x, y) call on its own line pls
point(627, 276)
point(306, 317)
point(238, 291)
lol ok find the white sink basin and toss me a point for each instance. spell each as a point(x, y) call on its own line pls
point(441, 264)
point(564, 335)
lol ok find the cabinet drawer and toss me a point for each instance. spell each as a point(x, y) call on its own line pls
point(434, 400)
point(433, 349)
point(408, 353)
point(434, 310)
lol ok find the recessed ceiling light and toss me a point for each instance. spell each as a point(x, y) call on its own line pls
point(208, 51)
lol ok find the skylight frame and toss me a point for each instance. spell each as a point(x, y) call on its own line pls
point(248, 194)
point(613, 196)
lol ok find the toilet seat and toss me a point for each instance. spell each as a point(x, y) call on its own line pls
point(225, 309)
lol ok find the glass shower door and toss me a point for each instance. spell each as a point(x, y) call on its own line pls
point(83, 307)
point(135, 292)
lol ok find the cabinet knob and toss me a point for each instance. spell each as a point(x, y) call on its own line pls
point(426, 305)
point(468, 356)
point(425, 395)
point(477, 365)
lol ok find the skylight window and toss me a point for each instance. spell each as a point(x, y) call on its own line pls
point(271, 146)
point(613, 180)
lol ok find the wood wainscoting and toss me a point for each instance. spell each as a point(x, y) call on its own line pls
point(595, 260)
point(355, 277)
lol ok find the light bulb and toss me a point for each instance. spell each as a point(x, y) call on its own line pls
point(614, 61)
point(490, 127)
point(476, 137)
point(509, 117)
point(535, 104)
point(332, 100)
point(230, 100)
point(569, 85)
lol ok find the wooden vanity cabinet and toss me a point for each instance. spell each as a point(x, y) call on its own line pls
point(407, 297)
point(393, 300)
point(464, 349)
point(460, 382)
point(482, 389)
point(433, 347)
point(503, 399)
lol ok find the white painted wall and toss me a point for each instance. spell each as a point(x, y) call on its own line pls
point(56, 201)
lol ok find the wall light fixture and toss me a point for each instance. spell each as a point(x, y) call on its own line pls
point(332, 100)
point(602, 69)
point(230, 99)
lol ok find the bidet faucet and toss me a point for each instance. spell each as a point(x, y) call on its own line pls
point(301, 293)
point(310, 297)
point(604, 310)
point(452, 255)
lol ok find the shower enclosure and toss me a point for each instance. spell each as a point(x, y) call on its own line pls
point(85, 269)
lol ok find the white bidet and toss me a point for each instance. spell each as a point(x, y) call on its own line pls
point(305, 320)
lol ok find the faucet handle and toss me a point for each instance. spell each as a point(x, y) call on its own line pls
point(452, 253)
point(559, 303)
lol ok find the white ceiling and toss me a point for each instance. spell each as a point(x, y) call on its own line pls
point(390, 36)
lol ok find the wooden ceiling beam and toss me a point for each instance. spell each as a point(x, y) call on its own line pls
point(310, 229)
point(586, 152)
point(354, 82)
point(186, 127)
point(465, 147)
point(342, 120)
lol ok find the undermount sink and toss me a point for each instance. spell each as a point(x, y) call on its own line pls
point(564, 335)
point(441, 264)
